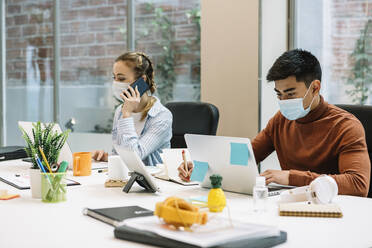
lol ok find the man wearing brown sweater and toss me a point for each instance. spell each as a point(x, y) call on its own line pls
point(311, 137)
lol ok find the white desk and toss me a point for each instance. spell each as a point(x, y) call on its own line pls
point(27, 222)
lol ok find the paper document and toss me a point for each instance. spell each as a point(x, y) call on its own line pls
point(99, 165)
point(217, 231)
point(23, 181)
point(172, 158)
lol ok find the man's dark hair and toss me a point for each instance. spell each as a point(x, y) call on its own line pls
point(299, 63)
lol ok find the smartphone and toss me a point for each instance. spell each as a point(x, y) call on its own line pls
point(142, 85)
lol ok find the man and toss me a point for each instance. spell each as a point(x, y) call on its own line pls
point(310, 136)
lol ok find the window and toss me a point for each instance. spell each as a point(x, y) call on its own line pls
point(169, 31)
point(91, 37)
point(29, 64)
point(339, 33)
point(92, 33)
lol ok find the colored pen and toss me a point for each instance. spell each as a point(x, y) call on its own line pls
point(39, 163)
point(45, 160)
point(102, 170)
point(63, 166)
point(185, 161)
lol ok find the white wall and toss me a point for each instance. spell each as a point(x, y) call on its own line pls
point(229, 63)
point(273, 44)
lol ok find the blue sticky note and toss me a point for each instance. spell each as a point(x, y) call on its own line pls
point(239, 154)
point(199, 171)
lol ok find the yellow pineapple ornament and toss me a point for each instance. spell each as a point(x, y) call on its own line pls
point(216, 197)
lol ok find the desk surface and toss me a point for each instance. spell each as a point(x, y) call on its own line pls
point(27, 222)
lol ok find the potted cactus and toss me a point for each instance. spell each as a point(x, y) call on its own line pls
point(51, 143)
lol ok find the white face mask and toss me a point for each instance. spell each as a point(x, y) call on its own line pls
point(118, 88)
point(293, 109)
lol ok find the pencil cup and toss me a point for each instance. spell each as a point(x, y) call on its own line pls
point(53, 187)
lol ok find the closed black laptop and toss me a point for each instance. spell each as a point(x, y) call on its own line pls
point(12, 152)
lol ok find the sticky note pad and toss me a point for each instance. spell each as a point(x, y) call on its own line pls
point(239, 154)
point(199, 171)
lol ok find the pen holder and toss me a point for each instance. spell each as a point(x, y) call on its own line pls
point(53, 187)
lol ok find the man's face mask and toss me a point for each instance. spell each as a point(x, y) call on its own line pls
point(293, 109)
point(118, 88)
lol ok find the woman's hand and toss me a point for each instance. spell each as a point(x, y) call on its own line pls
point(131, 99)
point(183, 174)
point(100, 156)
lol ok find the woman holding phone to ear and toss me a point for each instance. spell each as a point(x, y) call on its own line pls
point(141, 123)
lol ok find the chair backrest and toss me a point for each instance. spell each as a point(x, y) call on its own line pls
point(192, 117)
point(364, 114)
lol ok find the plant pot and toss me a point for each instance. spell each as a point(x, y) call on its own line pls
point(35, 182)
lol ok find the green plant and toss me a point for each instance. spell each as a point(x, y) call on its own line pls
point(194, 17)
point(165, 66)
point(361, 73)
point(50, 141)
point(163, 27)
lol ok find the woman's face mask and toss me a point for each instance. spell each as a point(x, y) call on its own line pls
point(293, 109)
point(118, 88)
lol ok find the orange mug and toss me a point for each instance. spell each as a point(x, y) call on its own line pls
point(82, 163)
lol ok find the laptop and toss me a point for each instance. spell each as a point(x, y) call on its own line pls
point(66, 153)
point(231, 157)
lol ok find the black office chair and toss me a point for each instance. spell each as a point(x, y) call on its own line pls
point(364, 114)
point(192, 117)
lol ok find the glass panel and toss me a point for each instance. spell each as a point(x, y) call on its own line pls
point(29, 64)
point(169, 32)
point(339, 33)
point(92, 36)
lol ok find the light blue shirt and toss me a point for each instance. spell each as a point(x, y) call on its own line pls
point(155, 136)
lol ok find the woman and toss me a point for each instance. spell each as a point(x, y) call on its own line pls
point(141, 123)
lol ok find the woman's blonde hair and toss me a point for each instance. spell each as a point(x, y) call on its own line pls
point(142, 66)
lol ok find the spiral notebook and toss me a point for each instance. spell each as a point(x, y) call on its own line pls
point(310, 210)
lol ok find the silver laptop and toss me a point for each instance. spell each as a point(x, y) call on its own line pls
point(65, 154)
point(231, 157)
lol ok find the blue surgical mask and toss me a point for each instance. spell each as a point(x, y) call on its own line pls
point(293, 109)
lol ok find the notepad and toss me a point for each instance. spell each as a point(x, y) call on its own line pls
point(239, 154)
point(200, 171)
point(23, 181)
point(115, 216)
point(217, 232)
point(310, 210)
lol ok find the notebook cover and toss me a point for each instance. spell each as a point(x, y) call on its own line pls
point(310, 210)
point(119, 214)
point(144, 237)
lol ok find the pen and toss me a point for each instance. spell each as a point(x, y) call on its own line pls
point(102, 170)
point(39, 163)
point(185, 161)
point(45, 160)
point(41, 167)
point(63, 167)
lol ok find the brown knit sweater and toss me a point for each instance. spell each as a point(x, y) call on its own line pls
point(328, 140)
